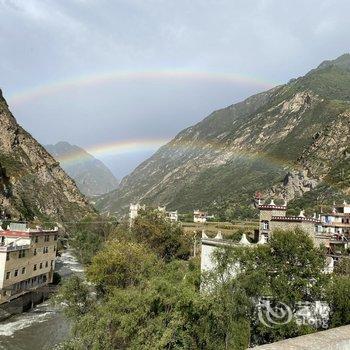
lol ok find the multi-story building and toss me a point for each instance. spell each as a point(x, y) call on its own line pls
point(326, 229)
point(337, 222)
point(27, 259)
point(273, 217)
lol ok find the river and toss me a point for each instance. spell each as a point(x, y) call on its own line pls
point(45, 325)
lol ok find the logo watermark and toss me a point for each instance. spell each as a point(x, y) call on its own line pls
point(275, 313)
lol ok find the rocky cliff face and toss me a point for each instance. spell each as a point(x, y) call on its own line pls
point(286, 142)
point(32, 184)
point(90, 174)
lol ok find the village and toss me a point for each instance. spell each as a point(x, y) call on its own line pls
point(330, 230)
point(27, 256)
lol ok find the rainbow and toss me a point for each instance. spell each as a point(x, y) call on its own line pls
point(51, 88)
point(112, 148)
point(176, 146)
point(127, 146)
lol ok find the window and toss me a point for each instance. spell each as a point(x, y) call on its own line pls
point(21, 253)
point(36, 239)
point(7, 256)
point(54, 248)
point(265, 225)
point(16, 273)
point(34, 268)
point(51, 263)
point(47, 239)
point(23, 270)
point(46, 264)
point(34, 252)
point(55, 237)
point(8, 275)
point(45, 250)
point(41, 265)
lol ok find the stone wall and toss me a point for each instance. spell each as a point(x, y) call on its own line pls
point(306, 226)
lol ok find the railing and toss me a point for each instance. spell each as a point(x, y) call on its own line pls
point(12, 248)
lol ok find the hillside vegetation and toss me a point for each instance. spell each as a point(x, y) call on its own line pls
point(285, 142)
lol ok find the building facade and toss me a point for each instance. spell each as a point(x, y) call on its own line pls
point(338, 221)
point(200, 216)
point(330, 230)
point(27, 259)
point(172, 215)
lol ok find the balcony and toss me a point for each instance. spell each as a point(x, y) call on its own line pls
point(13, 248)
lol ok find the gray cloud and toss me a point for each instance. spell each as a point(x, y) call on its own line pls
point(42, 42)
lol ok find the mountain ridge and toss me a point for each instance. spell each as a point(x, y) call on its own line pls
point(32, 184)
point(269, 142)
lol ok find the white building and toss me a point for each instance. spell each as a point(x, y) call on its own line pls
point(134, 211)
point(27, 259)
point(209, 245)
point(172, 215)
point(200, 216)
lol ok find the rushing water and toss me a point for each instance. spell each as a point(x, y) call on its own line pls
point(44, 326)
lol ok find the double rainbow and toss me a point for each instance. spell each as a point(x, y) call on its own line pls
point(128, 146)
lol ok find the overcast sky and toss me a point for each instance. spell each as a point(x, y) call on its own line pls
point(169, 62)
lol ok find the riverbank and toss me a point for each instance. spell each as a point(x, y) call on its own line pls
point(26, 302)
point(45, 325)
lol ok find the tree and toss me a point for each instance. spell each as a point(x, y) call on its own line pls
point(77, 298)
point(88, 236)
point(121, 264)
point(150, 300)
point(339, 301)
point(288, 270)
point(343, 267)
point(164, 237)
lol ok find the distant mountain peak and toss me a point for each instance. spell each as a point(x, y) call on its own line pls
point(90, 174)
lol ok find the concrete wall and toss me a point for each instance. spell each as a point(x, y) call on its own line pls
point(207, 263)
point(332, 339)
